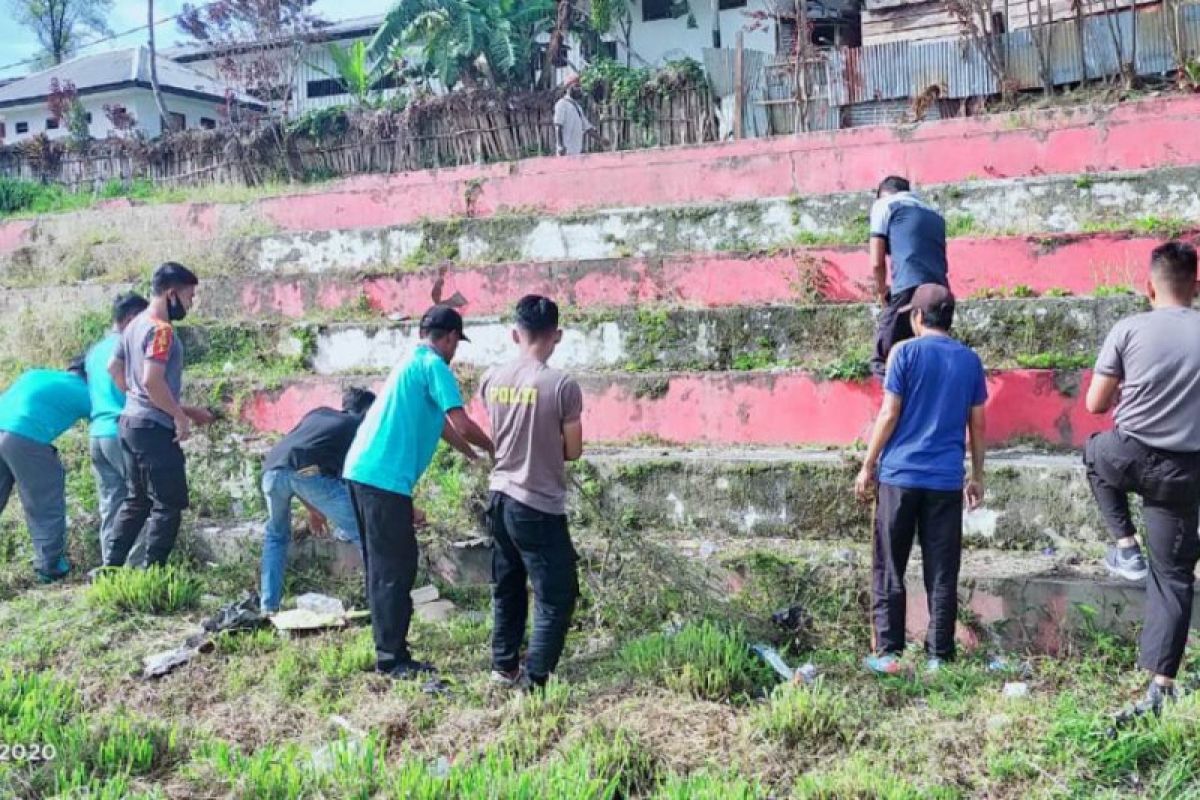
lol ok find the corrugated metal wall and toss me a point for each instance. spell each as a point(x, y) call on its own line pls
point(886, 74)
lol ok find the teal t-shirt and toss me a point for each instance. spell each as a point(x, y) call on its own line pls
point(43, 403)
point(399, 435)
point(107, 400)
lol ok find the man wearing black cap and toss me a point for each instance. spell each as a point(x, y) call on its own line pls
point(419, 404)
point(933, 395)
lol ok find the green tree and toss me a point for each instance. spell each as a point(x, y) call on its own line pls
point(60, 25)
point(356, 72)
point(473, 42)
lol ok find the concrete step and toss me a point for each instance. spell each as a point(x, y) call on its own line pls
point(1078, 140)
point(786, 407)
point(1044, 332)
point(111, 252)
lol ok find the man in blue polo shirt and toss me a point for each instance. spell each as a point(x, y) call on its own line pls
point(38, 408)
point(934, 395)
point(904, 227)
point(108, 401)
point(419, 404)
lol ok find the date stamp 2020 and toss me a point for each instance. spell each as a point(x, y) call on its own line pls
point(27, 752)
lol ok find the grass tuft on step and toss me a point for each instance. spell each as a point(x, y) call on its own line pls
point(705, 660)
point(805, 716)
point(154, 590)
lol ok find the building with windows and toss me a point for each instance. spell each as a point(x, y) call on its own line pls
point(114, 85)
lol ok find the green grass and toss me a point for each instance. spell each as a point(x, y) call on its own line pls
point(705, 660)
point(154, 590)
point(852, 366)
point(805, 715)
point(1055, 361)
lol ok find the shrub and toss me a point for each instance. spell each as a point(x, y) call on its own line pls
point(154, 590)
point(17, 195)
point(704, 660)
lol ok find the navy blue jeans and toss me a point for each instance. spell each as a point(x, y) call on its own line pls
point(530, 545)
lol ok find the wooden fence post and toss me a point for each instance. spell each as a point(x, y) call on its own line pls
point(739, 86)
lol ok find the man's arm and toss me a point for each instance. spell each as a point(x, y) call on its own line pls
point(318, 524)
point(879, 268)
point(451, 437)
point(976, 429)
point(573, 440)
point(1102, 394)
point(885, 426)
point(155, 379)
point(116, 371)
point(465, 427)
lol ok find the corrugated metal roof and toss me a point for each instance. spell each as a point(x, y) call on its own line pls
point(112, 69)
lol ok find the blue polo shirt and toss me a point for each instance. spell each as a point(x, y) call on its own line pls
point(916, 240)
point(107, 400)
point(398, 437)
point(938, 380)
point(41, 404)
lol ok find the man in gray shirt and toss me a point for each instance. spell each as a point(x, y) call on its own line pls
point(905, 228)
point(148, 367)
point(535, 414)
point(1149, 368)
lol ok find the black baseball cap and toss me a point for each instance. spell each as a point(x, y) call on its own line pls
point(443, 318)
point(930, 298)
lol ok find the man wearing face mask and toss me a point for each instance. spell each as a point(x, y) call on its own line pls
point(570, 124)
point(148, 366)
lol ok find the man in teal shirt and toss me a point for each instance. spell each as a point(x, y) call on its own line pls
point(420, 404)
point(37, 408)
point(108, 401)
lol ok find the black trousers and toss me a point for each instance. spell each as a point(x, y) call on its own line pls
point(390, 554)
point(535, 546)
point(935, 519)
point(156, 493)
point(1169, 484)
point(892, 327)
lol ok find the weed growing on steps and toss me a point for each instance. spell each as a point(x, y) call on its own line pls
point(154, 590)
point(705, 660)
point(1054, 361)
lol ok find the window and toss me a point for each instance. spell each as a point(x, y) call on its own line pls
point(208, 124)
point(728, 5)
point(177, 121)
point(88, 117)
point(655, 9)
point(332, 87)
point(51, 124)
point(22, 127)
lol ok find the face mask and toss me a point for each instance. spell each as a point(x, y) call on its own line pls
point(176, 310)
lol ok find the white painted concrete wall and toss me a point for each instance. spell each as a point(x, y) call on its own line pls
point(139, 102)
point(653, 43)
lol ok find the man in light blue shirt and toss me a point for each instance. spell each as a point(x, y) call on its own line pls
point(108, 401)
point(35, 410)
point(419, 404)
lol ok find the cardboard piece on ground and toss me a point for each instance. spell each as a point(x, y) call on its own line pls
point(437, 611)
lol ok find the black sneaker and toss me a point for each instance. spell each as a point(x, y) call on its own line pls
point(62, 568)
point(408, 670)
point(1156, 697)
point(1127, 563)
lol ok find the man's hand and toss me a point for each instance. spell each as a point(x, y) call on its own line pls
point(864, 484)
point(973, 494)
point(882, 298)
point(183, 428)
point(200, 416)
point(419, 518)
point(318, 524)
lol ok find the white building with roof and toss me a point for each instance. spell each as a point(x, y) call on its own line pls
point(118, 78)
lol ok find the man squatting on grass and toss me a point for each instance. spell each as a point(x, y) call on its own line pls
point(1149, 369)
point(147, 365)
point(108, 401)
point(904, 227)
point(933, 395)
point(307, 464)
point(419, 404)
point(535, 412)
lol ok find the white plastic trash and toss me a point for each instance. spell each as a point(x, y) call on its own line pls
point(1016, 689)
point(321, 604)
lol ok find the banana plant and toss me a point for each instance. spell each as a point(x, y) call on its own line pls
point(357, 71)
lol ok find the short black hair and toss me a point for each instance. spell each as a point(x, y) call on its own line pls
point(537, 314)
point(892, 184)
point(171, 275)
point(127, 305)
point(1174, 263)
point(357, 400)
point(940, 318)
point(78, 365)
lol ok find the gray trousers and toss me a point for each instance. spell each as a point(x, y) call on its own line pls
point(41, 482)
point(108, 465)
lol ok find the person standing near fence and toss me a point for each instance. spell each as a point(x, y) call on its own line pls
point(571, 125)
point(148, 366)
point(535, 413)
point(108, 401)
point(913, 235)
point(933, 397)
point(393, 447)
point(1149, 370)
